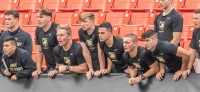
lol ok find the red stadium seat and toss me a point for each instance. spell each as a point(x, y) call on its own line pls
point(30, 5)
point(76, 5)
point(69, 18)
point(188, 18)
point(74, 30)
point(2, 19)
point(24, 18)
point(8, 4)
point(190, 5)
point(154, 5)
point(99, 17)
point(115, 30)
point(139, 18)
point(187, 45)
point(33, 19)
point(99, 5)
point(2, 27)
point(187, 32)
point(55, 5)
point(135, 29)
point(123, 5)
point(146, 5)
point(150, 27)
point(118, 18)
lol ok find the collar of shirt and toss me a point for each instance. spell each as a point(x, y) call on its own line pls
point(15, 32)
point(14, 54)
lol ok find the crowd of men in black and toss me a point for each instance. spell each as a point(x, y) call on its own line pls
point(98, 52)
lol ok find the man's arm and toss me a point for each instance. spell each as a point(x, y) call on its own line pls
point(28, 65)
point(39, 57)
point(28, 44)
point(176, 38)
point(87, 56)
point(81, 68)
point(101, 57)
point(185, 55)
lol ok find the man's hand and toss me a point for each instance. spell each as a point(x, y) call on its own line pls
point(105, 71)
point(127, 71)
point(186, 73)
point(160, 75)
point(13, 78)
point(177, 75)
point(52, 73)
point(89, 74)
point(36, 73)
point(135, 80)
point(6, 73)
point(97, 73)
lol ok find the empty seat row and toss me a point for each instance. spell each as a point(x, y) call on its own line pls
point(95, 5)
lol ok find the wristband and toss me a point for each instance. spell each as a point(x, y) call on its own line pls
point(67, 68)
point(142, 77)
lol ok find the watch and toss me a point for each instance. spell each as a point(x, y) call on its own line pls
point(67, 68)
point(142, 77)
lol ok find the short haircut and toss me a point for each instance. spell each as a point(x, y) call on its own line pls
point(149, 34)
point(11, 39)
point(87, 15)
point(132, 36)
point(45, 11)
point(66, 28)
point(197, 11)
point(106, 25)
point(12, 12)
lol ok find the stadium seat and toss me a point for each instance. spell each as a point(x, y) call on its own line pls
point(146, 5)
point(187, 32)
point(154, 5)
point(123, 5)
point(8, 4)
point(99, 17)
point(188, 18)
point(55, 5)
point(142, 18)
point(118, 18)
point(74, 30)
point(135, 29)
point(24, 18)
point(141, 43)
point(76, 5)
point(69, 18)
point(190, 5)
point(99, 5)
point(115, 30)
point(2, 19)
point(150, 27)
point(187, 45)
point(2, 27)
point(33, 19)
point(30, 5)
